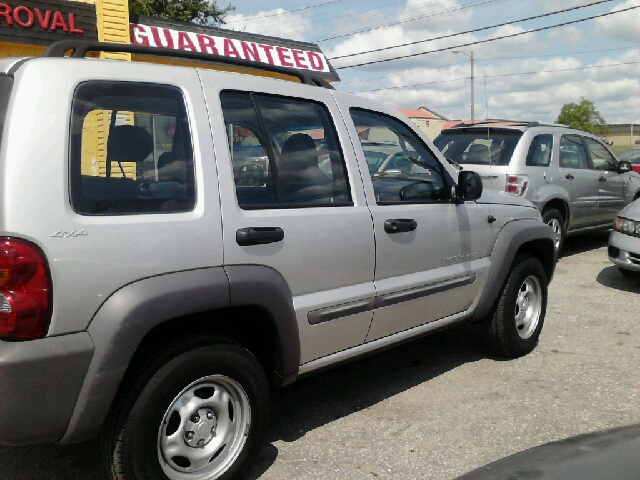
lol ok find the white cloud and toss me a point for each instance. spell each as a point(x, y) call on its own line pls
point(275, 23)
point(622, 26)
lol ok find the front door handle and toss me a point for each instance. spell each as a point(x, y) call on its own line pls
point(602, 178)
point(399, 225)
point(258, 235)
point(568, 176)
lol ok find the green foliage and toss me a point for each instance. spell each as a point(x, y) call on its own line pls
point(202, 12)
point(583, 116)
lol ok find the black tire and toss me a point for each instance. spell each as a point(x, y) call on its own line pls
point(140, 419)
point(501, 332)
point(555, 220)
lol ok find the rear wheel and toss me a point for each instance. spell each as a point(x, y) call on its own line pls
point(514, 325)
point(554, 219)
point(197, 411)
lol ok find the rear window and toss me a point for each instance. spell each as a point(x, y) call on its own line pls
point(478, 147)
point(5, 90)
point(130, 150)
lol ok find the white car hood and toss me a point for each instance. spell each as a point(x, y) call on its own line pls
point(503, 198)
point(631, 211)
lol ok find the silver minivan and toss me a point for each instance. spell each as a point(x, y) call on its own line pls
point(571, 176)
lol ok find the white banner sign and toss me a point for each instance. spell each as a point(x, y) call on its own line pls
point(149, 36)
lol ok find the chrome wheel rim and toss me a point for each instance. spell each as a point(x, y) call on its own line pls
point(557, 231)
point(204, 429)
point(528, 307)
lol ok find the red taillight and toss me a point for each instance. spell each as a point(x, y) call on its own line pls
point(25, 291)
point(517, 184)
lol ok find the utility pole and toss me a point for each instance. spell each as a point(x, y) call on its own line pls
point(473, 110)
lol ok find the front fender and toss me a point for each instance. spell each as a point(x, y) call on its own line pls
point(515, 235)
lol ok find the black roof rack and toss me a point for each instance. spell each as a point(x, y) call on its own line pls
point(511, 123)
point(79, 49)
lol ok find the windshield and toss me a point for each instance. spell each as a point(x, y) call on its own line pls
point(5, 90)
point(478, 147)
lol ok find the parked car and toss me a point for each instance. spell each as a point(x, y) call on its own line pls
point(571, 176)
point(158, 309)
point(632, 155)
point(624, 241)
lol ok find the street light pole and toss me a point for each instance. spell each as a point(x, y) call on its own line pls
point(631, 138)
point(473, 110)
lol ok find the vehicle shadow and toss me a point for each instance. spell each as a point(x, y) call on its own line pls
point(312, 402)
point(612, 278)
point(584, 243)
point(302, 407)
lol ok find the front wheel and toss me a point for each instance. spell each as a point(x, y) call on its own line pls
point(198, 411)
point(514, 325)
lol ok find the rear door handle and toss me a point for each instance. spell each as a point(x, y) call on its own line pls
point(568, 176)
point(258, 235)
point(399, 225)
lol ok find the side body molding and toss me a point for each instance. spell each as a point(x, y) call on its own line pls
point(511, 237)
point(130, 313)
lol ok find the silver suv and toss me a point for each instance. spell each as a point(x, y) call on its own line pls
point(172, 250)
point(570, 175)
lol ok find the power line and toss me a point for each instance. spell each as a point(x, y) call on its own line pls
point(474, 30)
point(496, 76)
point(487, 40)
point(412, 19)
point(486, 59)
point(286, 12)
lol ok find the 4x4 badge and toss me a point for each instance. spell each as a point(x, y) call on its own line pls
point(72, 234)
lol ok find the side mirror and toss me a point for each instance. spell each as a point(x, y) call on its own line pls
point(624, 166)
point(469, 186)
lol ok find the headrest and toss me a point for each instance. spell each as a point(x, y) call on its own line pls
point(128, 143)
point(299, 143)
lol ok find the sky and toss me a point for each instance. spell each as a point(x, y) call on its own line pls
point(524, 77)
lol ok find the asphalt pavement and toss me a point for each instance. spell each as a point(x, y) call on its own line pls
point(441, 406)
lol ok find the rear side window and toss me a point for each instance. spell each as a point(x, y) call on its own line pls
point(540, 151)
point(478, 147)
point(6, 83)
point(285, 152)
point(572, 152)
point(130, 150)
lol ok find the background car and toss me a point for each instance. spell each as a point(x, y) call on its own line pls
point(570, 175)
point(632, 155)
point(624, 241)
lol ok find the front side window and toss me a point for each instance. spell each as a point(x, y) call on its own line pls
point(402, 167)
point(601, 159)
point(130, 150)
point(285, 152)
point(478, 146)
point(540, 151)
point(572, 152)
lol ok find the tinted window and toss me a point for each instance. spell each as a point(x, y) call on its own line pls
point(540, 151)
point(285, 152)
point(5, 90)
point(402, 168)
point(478, 147)
point(130, 150)
point(572, 152)
point(601, 159)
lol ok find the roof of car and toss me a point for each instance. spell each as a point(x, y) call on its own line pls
point(499, 123)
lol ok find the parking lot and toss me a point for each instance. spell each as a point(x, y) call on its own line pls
point(441, 406)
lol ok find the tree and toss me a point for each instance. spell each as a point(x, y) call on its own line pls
point(202, 12)
point(583, 116)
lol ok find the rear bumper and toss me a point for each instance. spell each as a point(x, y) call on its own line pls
point(39, 385)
